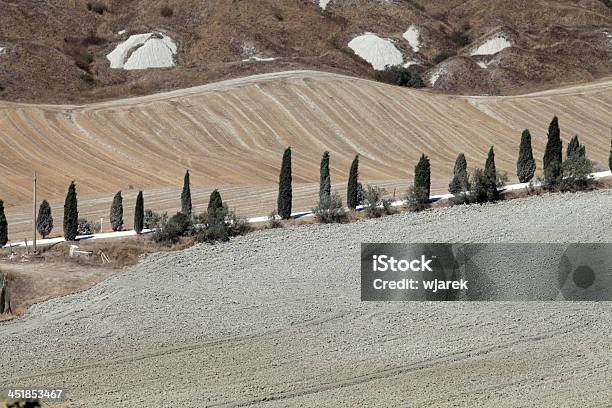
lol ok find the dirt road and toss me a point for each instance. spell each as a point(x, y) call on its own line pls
point(274, 318)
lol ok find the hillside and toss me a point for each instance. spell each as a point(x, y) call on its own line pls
point(66, 51)
point(231, 135)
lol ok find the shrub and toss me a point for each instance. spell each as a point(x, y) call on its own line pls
point(576, 172)
point(168, 231)
point(215, 202)
point(329, 209)
point(375, 205)
point(166, 11)
point(44, 221)
point(479, 187)
point(97, 7)
point(85, 227)
point(414, 199)
point(400, 75)
point(151, 219)
point(219, 226)
point(274, 220)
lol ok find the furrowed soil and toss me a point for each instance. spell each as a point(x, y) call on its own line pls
point(275, 317)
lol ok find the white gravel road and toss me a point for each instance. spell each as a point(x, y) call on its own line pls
point(274, 318)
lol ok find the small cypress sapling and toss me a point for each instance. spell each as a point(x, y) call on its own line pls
point(422, 179)
point(139, 213)
point(490, 173)
point(324, 179)
point(116, 212)
point(71, 214)
point(186, 195)
point(352, 191)
point(553, 154)
point(526, 165)
point(460, 181)
point(3, 226)
point(285, 192)
point(44, 221)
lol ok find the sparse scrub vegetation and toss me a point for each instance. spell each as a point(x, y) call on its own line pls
point(277, 14)
point(400, 75)
point(375, 203)
point(329, 209)
point(274, 220)
point(97, 7)
point(166, 11)
point(151, 219)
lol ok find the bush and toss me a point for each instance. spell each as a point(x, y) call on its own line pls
point(415, 198)
point(85, 227)
point(576, 174)
point(166, 11)
point(151, 219)
point(375, 205)
point(274, 220)
point(399, 75)
point(219, 226)
point(97, 7)
point(329, 209)
point(168, 231)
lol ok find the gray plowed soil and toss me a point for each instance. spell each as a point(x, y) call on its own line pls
point(275, 318)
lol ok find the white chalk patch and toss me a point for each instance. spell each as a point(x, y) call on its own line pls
point(2, 50)
point(260, 59)
point(409, 63)
point(436, 75)
point(377, 51)
point(413, 36)
point(147, 51)
point(482, 64)
point(122, 32)
point(493, 46)
point(323, 3)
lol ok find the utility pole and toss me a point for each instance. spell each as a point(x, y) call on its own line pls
point(34, 215)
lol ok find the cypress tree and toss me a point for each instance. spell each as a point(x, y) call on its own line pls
point(3, 226)
point(553, 154)
point(526, 165)
point(139, 213)
point(285, 193)
point(610, 157)
point(214, 203)
point(422, 179)
point(352, 191)
point(116, 212)
point(460, 181)
point(573, 147)
point(186, 196)
point(44, 221)
point(71, 214)
point(325, 179)
point(490, 173)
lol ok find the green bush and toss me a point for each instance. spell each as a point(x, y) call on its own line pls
point(151, 219)
point(329, 209)
point(576, 173)
point(85, 227)
point(375, 204)
point(399, 75)
point(415, 198)
point(168, 231)
point(220, 225)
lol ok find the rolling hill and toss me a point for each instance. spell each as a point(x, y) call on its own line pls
point(231, 135)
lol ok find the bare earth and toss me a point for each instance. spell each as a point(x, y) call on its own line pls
point(231, 136)
point(275, 318)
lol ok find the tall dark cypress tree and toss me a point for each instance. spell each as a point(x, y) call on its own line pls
point(3, 227)
point(71, 214)
point(573, 147)
point(139, 213)
point(215, 202)
point(610, 158)
point(44, 221)
point(490, 173)
point(186, 195)
point(285, 192)
point(460, 181)
point(352, 190)
point(553, 155)
point(422, 179)
point(116, 212)
point(324, 179)
point(526, 165)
